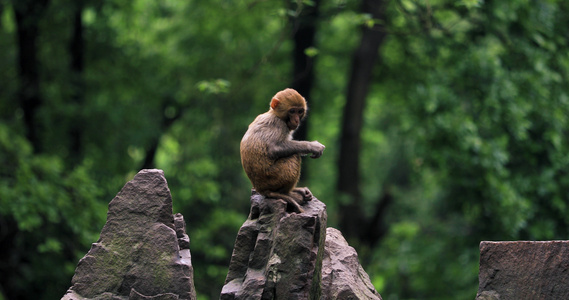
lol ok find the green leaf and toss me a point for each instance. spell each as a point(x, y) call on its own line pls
point(311, 51)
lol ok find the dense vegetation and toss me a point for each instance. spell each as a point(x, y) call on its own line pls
point(445, 124)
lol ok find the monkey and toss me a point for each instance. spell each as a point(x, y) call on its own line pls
point(271, 158)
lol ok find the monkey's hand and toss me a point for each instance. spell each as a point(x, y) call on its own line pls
point(316, 149)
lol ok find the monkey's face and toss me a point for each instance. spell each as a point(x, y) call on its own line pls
point(294, 116)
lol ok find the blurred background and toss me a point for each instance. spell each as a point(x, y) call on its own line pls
point(445, 123)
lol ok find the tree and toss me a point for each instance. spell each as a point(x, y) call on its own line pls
point(77, 67)
point(363, 63)
point(28, 15)
point(304, 25)
point(484, 155)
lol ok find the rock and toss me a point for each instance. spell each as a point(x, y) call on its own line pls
point(488, 295)
point(143, 250)
point(524, 270)
point(183, 238)
point(342, 275)
point(277, 254)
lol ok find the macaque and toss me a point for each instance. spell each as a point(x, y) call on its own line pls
point(269, 155)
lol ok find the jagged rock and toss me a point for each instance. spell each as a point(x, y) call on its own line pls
point(143, 250)
point(524, 270)
point(342, 275)
point(277, 254)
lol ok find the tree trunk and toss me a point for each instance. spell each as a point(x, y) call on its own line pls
point(28, 14)
point(304, 30)
point(376, 228)
point(2, 7)
point(77, 51)
point(363, 63)
point(166, 122)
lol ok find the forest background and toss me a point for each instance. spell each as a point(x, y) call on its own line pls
point(445, 123)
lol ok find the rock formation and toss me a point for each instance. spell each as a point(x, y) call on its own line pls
point(283, 255)
point(143, 250)
point(342, 275)
point(524, 270)
point(277, 254)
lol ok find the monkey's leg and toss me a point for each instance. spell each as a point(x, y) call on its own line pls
point(304, 192)
point(288, 199)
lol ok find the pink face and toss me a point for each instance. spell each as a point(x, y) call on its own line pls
point(295, 115)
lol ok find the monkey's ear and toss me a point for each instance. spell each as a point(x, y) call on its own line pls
point(274, 103)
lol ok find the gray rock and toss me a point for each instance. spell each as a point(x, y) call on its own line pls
point(342, 275)
point(488, 295)
point(143, 250)
point(524, 270)
point(277, 254)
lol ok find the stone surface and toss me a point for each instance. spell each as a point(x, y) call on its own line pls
point(143, 250)
point(342, 275)
point(277, 254)
point(524, 270)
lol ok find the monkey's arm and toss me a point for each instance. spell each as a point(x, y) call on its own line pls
point(288, 148)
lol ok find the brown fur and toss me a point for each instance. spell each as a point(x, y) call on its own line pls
point(270, 158)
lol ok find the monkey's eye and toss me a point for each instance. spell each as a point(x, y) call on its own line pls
point(299, 111)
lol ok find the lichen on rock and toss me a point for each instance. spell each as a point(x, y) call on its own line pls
point(143, 250)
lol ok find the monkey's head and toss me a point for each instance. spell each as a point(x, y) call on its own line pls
point(290, 107)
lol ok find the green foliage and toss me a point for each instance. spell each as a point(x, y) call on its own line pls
point(56, 212)
point(217, 86)
point(482, 118)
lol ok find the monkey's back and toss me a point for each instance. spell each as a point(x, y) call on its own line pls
point(267, 174)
